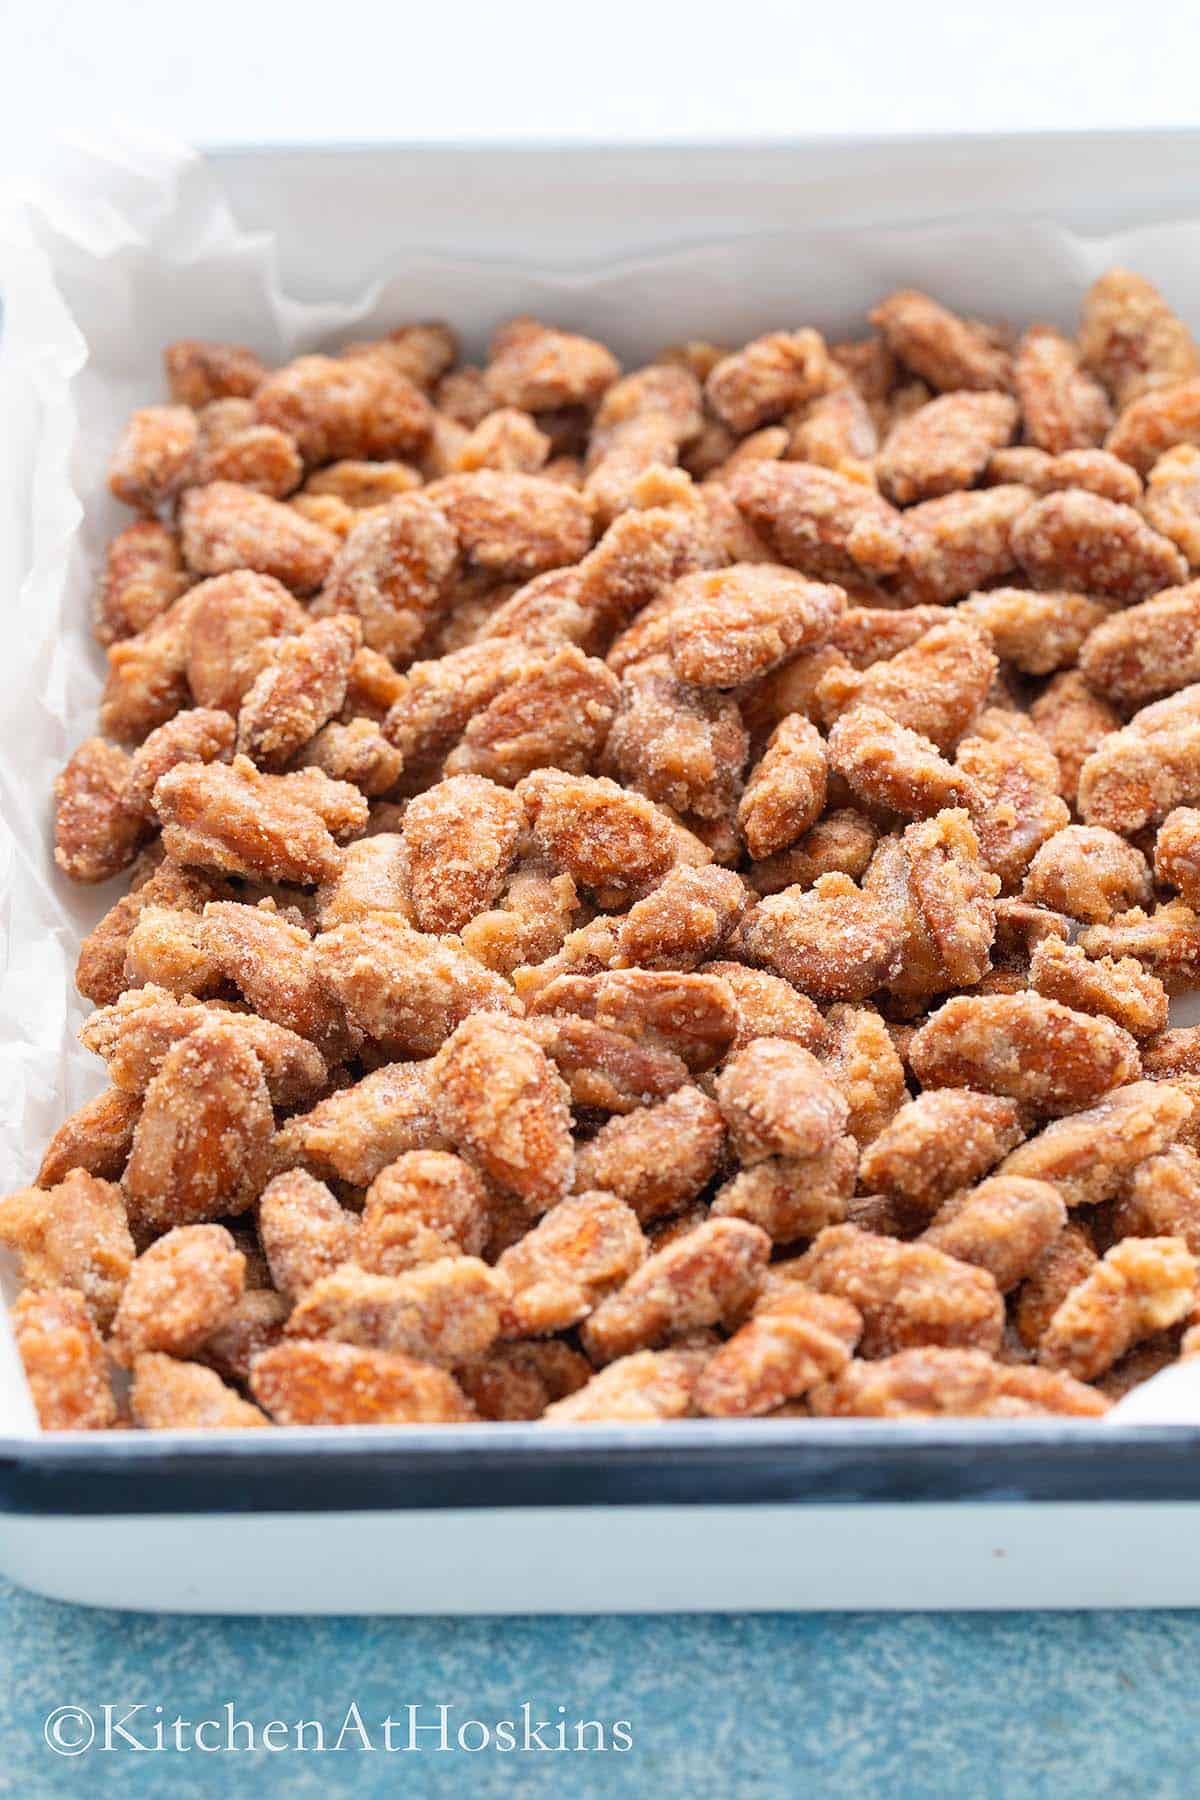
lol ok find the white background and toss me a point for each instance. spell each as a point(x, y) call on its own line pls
point(253, 70)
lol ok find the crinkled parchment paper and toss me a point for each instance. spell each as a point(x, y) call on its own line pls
point(125, 247)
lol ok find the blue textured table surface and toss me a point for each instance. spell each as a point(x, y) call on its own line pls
point(1011, 1705)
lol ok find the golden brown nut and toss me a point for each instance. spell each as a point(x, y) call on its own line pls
point(1030, 1049)
point(537, 368)
point(303, 1231)
point(153, 455)
point(890, 767)
point(556, 715)
point(405, 989)
point(95, 1138)
point(1062, 406)
point(835, 942)
point(1016, 806)
point(649, 1385)
point(777, 1101)
point(460, 839)
point(944, 445)
point(792, 1197)
point(769, 1007)
point(519, 1381)
point(1143, 1285)
point(859, 1057)
point(1037, 633)
point(198, 734)
point(1088, 1155)
point(606, 838)
point(821, 522)
point(939, 1143)
point(444, 1312)
point(64, 1361)
point(938, 899)
point(356, 406)
point(932, 1383)
point(1147, 651)
point(301, 1383)
point(226, 527)
point(657, 1157)
point(1077, 540)
point(424, 1206)
point(275, 827)
point(199, 371)
point(357, 1132)
point(497, 1095)
point(200, 1146)
point(299, 689)
point(794, 1339)
point(1130, 338)
point(1166, 942)
point(178, 1292)
point(681, 745)
point(1004, 1225)
point(712, 1276)
point(936, 687)
point(72, 1235)
point(96, 829)
point(234, 621)
point(1089, 873)
point(583, 1249)
point(143, 574)
point(169, 1395)
point(1118, 988)
point(785, 794)
point(1172, 500)
point(769, 377)
point(947, 351)
point(908, 1294)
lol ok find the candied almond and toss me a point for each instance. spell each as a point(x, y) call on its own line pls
point(1143, 1285)
point(1062, 406)
point(1028, 1048)
point(71, 1235)
point(178, 1291)
point(443, 1312)
point(835, 942)
point(946, 350)
point(792, 1197)
point(928, 1383)
point(96, 828)
point(356, 1132)
point(785, 792)
point(303, 1231)
point(64, 1361)
point(300, 688)
point(657, 1157)
point(908, 1294)
point(1131, 340)
point(497, 1095)
point(644, 1386)
point(888, 766)
point(1088, 1155)
point(424, 1206)
point(1078, 541)
point(143, 574)
point(95, 1138)
point(821, 522)
point(170, 1395)
point(225, 527)
point(324, 1383)
point(778, 1101)
point(944, 445)
point(1117, 988)
point(200, 1146)
point(794, 1339)
point(555, 715)
point(936, 687)
point(712, 1276)
point(460, 839)
point(405, 989)
point(939, 1143)
point(1004, 1226)
point(582, 1249)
